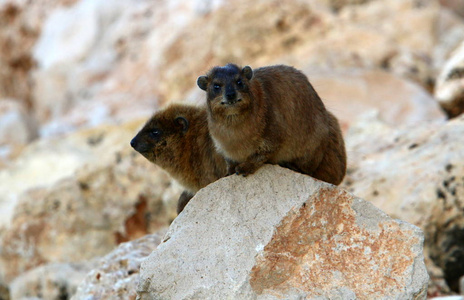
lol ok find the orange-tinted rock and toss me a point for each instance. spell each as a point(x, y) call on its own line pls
point(322, 246)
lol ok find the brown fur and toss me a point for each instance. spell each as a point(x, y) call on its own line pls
point(177, 140)
point(272, 115)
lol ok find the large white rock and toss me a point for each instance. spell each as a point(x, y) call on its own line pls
point(283, 235)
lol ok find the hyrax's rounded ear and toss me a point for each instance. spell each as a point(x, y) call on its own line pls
point(248, 72)
point(202, 82)
point(183, 122)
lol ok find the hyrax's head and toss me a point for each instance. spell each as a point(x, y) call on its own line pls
point(227, 89)
point(162, 137)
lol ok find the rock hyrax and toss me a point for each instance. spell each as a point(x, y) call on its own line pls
point(272, 115)
point(177, 140)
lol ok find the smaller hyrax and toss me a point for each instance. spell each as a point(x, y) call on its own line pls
point(177, 140)
point(272, 115)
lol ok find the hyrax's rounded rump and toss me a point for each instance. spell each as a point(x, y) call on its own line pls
point(272, 115)
point(177, 140)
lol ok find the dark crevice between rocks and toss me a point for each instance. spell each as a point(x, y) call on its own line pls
point(448, 253)
point(455, 107)
point(446, 235)
point(4, 292)
point(412, 146)
point(95, 139)
point(63, 292)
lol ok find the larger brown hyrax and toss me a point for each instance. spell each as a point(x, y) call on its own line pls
point(272, 115)
point(177, 140)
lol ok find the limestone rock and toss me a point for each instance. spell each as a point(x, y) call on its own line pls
point(117, 274)
point(456, 6)
point(450, 29)
point(406, 41)
point(336, 5)
point(17, 128)
point(398, 36)
point(51, 281)
point(450, 84)
point(349, 94)
point(149, 51)
point(282, 235)
point(71, 35)
point(415, 174)
point(78, 197)
point(95, 56)
point(21, 23)
point(47, 161)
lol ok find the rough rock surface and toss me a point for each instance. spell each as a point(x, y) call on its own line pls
point(94, 56)
point(17, 128)
point(449, 298)
point(456, 6)
point(51, 281)
point(48, 161)
point(21, 23)
point(65, 211)
point(450, 84)
point(415, 174)
point(117, 273)
point(140, 50)
point(279, 234)
point(374, 35)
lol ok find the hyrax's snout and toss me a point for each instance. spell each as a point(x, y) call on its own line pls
point(230, 97)
point(134, 143)
point(139, 145)
point(231, 94)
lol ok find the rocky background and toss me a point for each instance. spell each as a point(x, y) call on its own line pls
point(79, 77)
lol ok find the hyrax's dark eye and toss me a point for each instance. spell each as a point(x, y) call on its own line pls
point(239, 82)
point(216, 87)
point(155, 133)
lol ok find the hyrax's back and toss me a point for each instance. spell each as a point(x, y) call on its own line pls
point(332, 168)
point(289, 87)
point(296, 109)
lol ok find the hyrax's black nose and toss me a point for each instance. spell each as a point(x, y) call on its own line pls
point(230, 95)
point(133, 142)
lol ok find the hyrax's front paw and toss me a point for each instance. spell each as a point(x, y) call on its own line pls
point(246, 169)
point(231, 166)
